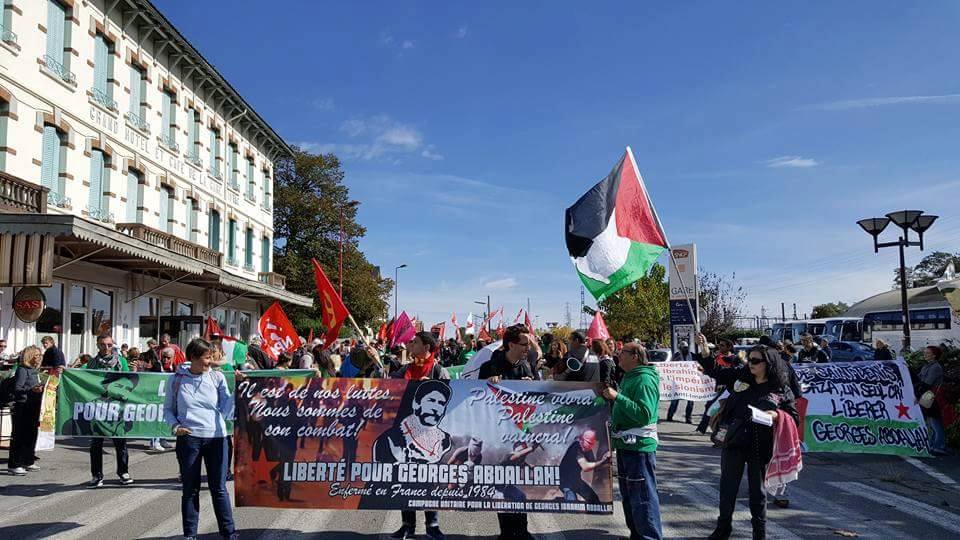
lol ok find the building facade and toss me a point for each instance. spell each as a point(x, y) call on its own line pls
point(137, 183)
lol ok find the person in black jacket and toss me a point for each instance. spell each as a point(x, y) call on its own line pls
point(882, 351)
point(27, 394)
point(811, 352)
point(508, 363)
point(764, 384)
point(52, 356)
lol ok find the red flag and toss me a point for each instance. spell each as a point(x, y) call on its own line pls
point(277, 332)
point(598, 328)
point(310, 339)
point(456, 327)
point(528, 324)
point(334, 313)
point(212, 329)
point(484, 335)
point(382, 334)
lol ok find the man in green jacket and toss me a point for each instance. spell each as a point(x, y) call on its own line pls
point(633, 426)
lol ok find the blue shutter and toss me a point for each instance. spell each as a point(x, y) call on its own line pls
point(50, 159)
point(265, 250)
point(248, 247)
point(233, 164)
point(191, 220)
point(232, 240)
point(251, 181)
point(101, 55)
point(214, 228)
point(135, 90)
point(56, 18)
point(95, 196)
point(133, 192)
point(173, 119)
point(164, 209)
point(165, 115)
point(213, 150)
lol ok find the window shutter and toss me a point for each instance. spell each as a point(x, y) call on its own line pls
point(191, 220)
point(95, 196)
point(133, 196)
point(4, 110)
point(165, 114)
point(56, 18)
point(251, 181)
point(232, 240)
point(50, 159)
point(265, 250)
point(135, 90)
point(164, 209)
point(173, 118)
point(215, 230)
point(248, 248)
point(100, 60)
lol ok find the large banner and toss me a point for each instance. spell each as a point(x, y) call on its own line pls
point(48, 414)
point(684, 380)
point(861, 407)
point(518, 446)
point(121, 404)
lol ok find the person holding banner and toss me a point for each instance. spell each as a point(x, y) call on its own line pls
point(27, 394)
point(633, 426)
point(196, 405)
point(108, 359)
point(760, 397)
point(684, 355)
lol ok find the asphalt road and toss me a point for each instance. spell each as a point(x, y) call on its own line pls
point(836, 496)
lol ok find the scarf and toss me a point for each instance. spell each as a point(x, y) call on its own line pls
point(787, 460)
point(416, 371)
point(425, 441)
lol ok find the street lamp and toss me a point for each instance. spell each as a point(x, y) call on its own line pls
point(396, 286)
point(351, 204)
point(482, 303)
point(907, 220)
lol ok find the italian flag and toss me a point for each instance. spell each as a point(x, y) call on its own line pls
point(613, 233)
point(234, 350)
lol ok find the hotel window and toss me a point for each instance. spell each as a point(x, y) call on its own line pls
point(194, 153)
point(56, 59)
point(265, 251)
point(4, 116)
point(134, 196)
point(138, 93)
point(52, 164)
point(214, 231)
point(168, 130)
point(234, 158)
point(103, 72)
point(97, 200)
point(193, 209)
point(266, 189)
point(251, 181)
point(6, 32)
point(232, 243)
point(215, 153)
point(248, 250)
point(166, 209)
point(101, 311)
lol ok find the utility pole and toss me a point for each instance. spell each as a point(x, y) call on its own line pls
point(583, 320)
point(567, 320)
point(794, 311)
point(783, 312)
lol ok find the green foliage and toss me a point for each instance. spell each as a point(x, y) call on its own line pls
point(309, 197)
point(928, 270)
point(721, 300)
point(830, 309)
point(640, 310)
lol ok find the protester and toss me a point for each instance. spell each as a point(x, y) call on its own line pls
point(178, 355)
point(509, 363)
point(153, 345)
point(724, 357)
point(608, 368)
point(926, 390)
point(257, 358)
point(81, 361)
point(882, 351)
point(134, 360)
point(555, 358)
point(284, 361)
point(810, 351)
point(108, 358)
point(52, 356)
point(363, 364)
point(4, 355)
point(762, 383)
point(305, 359)
point(324, 362)
point(423, 366)
point(683, 355)
point(586, 366)
point(633, 427)
point(825, 347)
point(196, 405)
point(123, 351)
point(27, 396)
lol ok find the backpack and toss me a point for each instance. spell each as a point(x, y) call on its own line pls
point(7, 387)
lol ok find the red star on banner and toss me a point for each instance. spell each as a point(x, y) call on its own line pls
point(903, 411)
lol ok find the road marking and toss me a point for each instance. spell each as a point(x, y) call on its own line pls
point(708, 497)
point(837, 515)
point(105, 513)
point(931, 471)
point(542, 526)
point(173, 525)
point(295, 520)
point(926, 512)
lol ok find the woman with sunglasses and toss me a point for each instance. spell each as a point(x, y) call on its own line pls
point(764, 384)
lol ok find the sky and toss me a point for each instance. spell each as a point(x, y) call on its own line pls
point(763, 130)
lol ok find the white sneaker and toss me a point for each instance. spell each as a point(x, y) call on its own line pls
point(125, 479)
point(157, 447)
point(33, 468)
point(167, 445)
point(16, 471)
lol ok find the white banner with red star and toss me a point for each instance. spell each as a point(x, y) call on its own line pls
point(861, 407)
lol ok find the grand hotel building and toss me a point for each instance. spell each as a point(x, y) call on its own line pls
point(135, 182)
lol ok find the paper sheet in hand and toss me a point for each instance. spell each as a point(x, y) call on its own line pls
point(760, 417)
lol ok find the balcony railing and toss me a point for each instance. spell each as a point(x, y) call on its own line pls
point(232, 260)
point(234, 184)
point(57, 67)
point(248, 266)
point(58, 200)
point(137, 121)
point(170, 142)
point(99, 214)
point(273, 279)
point(7, 35)
point(250, 196)
point(194, 157)
point(103, 99)
point(171, 242)
point(18, 195)
point(215, 172)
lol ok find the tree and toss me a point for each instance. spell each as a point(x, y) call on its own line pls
point(721, 301)
point(640, 310)
point(928, 270)
point(830, 309)
point(309, 197)
point(562, 333)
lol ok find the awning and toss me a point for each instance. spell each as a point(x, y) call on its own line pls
point(256, 289)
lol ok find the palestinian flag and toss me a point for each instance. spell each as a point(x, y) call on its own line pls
point(613, 232)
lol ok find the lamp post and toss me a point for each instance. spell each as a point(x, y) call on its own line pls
point(396, 287)
point(906, 220)
point(351, 204)
point(485, 313)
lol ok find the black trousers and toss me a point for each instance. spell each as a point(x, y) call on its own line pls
point(513, 525)
point(96, 456)
point(26, 420)
point(732, 463)
point(409, 518)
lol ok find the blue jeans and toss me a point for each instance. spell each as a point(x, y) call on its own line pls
point(938, 436)
point(638, 492)
point(213, 452)
point(672, 410)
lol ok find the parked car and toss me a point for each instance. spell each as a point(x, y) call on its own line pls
point(850, 351)
point(659, 355)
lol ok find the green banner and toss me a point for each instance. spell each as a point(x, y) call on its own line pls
point(455, 372)
point(124, 404)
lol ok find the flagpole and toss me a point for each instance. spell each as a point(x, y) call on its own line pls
point(653, 209)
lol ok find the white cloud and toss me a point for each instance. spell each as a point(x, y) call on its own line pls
point(323, 104)
point(386, 38)
point(376, 137)
point(407, 44)
point(430, 153)
point(843, 105)
point(462, 32)
point(792, 162)
point(500, 284)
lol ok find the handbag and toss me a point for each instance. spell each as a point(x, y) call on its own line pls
point(927, 399)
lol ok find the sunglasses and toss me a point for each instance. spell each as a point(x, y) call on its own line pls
point(755, 361)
